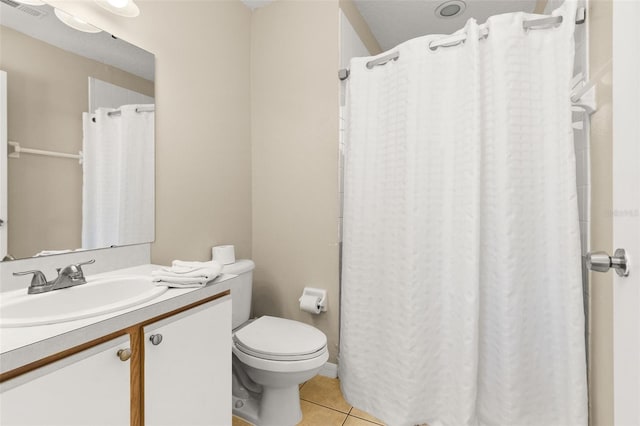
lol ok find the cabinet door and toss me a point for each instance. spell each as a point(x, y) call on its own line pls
point(88, 388)
point(187, 375)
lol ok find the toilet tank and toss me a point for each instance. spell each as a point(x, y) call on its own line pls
point(240, 289)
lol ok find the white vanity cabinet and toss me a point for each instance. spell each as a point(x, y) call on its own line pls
point(91, 387)
point(187, 367)
point(171, 368)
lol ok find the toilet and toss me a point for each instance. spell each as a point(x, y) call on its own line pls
point(271, 357)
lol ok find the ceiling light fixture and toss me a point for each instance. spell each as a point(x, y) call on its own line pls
point(31, 2)
point(126, 8)
point(118, 3)
point(75, 23)
point(450, 9)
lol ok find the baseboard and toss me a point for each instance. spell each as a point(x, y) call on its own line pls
point(329, 369)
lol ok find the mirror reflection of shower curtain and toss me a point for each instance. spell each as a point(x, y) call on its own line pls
point(118, 177)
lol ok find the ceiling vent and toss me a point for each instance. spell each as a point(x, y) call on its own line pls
point(449, 9)
point(36, 13)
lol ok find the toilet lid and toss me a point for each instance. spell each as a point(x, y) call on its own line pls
point(280, 339)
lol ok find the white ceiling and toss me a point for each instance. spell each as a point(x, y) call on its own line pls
point(395, 21)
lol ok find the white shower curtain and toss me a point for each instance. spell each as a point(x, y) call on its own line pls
point(118, 177)
point(461, 274)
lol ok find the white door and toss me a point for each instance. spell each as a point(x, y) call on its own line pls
point(626, 209)
point(187, 367)
point(89, 388)
point(3, 164)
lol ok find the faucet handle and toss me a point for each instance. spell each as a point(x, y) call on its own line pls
point(38, 279)
point(88, 262)
point(79, 266)
point(74, 271)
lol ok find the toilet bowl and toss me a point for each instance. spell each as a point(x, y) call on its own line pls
point(278, 354)
point(271, 358)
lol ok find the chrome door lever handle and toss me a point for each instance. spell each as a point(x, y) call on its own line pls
point(600, 261)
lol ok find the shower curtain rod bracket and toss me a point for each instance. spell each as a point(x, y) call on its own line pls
point(581, 15)
point(587, 102)
point(583, 93)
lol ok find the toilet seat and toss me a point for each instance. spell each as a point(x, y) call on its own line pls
point(279, 344)
point(276, 357)
point(280, 339)
point(281, 366)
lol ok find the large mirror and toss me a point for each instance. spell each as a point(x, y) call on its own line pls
point(80, 130)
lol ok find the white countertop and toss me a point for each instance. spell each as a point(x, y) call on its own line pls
point(20, 346)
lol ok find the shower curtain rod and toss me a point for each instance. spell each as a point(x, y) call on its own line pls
point(533, 24)
point(139, 109)
point(17, 150)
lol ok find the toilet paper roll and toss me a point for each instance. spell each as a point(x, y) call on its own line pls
point(224, 255)
point(310, 304)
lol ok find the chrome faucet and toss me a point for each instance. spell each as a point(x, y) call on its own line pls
point(68, 276)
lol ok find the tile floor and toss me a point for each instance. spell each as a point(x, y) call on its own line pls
point(323, 405)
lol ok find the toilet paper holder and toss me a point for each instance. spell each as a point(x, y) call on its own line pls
point(317, 293)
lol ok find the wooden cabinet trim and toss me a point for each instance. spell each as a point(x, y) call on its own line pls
point(57, 357)
point(137, 375)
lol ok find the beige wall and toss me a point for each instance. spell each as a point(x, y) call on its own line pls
point(203, 146)
point(601, 300)
point(295, 159)
point(47, 94)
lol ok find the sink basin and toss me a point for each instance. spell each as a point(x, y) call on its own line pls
point(98, 296)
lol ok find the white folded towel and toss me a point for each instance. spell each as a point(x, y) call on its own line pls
point(172, 281)
point(187, 274)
